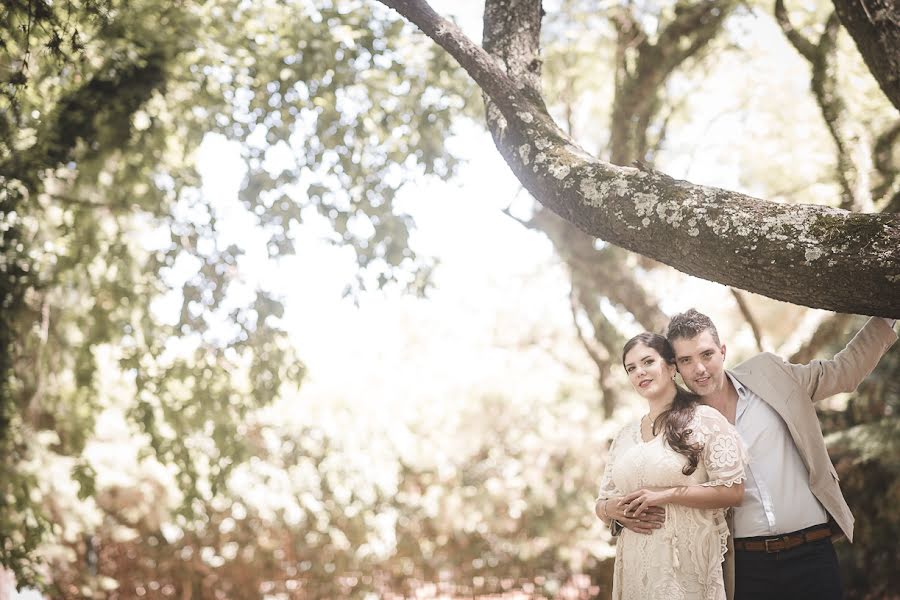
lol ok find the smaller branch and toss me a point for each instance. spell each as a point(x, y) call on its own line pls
point(629, 30)
point(853, 155)
point(526, 224)
point(699, 22)
point(589, 345)
point(604, 365)
point(481, 67)
point(513, 37)
point(748, 316)
point(797, 39)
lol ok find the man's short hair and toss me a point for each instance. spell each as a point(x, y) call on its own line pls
point(689, 325)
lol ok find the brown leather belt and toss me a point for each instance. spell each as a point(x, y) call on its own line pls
point(783, 542)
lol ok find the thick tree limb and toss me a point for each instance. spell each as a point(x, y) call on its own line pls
point(514, 38)
point(809, 255)
point(875, 27)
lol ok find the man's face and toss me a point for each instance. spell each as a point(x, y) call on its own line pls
point(701, 363)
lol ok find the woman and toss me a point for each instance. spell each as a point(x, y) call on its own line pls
point(685, 457)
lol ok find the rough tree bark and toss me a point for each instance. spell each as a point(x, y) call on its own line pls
point(875, 27)
point(809, 255)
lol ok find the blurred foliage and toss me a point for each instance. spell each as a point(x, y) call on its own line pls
point(333, 523)
point(137, 456)
point(864, 443)
point(103, 105)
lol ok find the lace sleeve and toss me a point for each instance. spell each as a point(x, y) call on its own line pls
point(608, 489)
point(724, 453)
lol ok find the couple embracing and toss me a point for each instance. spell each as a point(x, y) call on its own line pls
point(725, 489)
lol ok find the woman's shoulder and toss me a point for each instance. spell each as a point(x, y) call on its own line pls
point(706, 411)
point(708, 417)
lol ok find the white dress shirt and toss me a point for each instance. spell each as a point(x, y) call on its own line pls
point(777, 498)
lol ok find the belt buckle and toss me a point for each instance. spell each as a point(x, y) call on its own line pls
point(766, 543)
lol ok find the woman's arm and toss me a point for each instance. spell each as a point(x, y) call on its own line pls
point(723, 456)
point(693, 496)
point(601, 509)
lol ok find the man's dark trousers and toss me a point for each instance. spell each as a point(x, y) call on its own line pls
point(807, 572)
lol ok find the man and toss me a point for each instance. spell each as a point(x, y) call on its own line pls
point(792, 501)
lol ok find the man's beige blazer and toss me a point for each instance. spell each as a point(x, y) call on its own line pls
point(792, 391)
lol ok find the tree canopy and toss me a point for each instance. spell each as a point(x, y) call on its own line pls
point(124, 302)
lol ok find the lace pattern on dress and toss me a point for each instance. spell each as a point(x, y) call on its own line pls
point(724, 453)
point(683, 559)
point(608, 488)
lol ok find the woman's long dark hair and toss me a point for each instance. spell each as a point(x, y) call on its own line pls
point(673, 420)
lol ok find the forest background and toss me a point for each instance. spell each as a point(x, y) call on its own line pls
point(278, 320)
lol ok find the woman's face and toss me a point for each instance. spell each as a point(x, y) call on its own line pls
point(648, 372)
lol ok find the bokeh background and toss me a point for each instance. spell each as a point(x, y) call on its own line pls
point(277, 321)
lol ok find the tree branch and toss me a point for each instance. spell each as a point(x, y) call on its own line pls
point(603, 272)
point(875, 27)
point(781, 251)
point(854, 159)
point(748, 316)
point(605, 337)
point(484, 70)
point(637, 97)
point(698, 23)
point(514, 39)
point(802, 45)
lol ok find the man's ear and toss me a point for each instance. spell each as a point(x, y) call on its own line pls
point(723, 350)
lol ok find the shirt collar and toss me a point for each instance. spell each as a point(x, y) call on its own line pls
point(743, 396)
point(741, 390)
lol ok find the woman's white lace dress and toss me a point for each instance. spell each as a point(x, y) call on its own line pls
point(683, 559)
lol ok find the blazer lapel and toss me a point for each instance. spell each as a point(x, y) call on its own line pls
point(754, 378)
